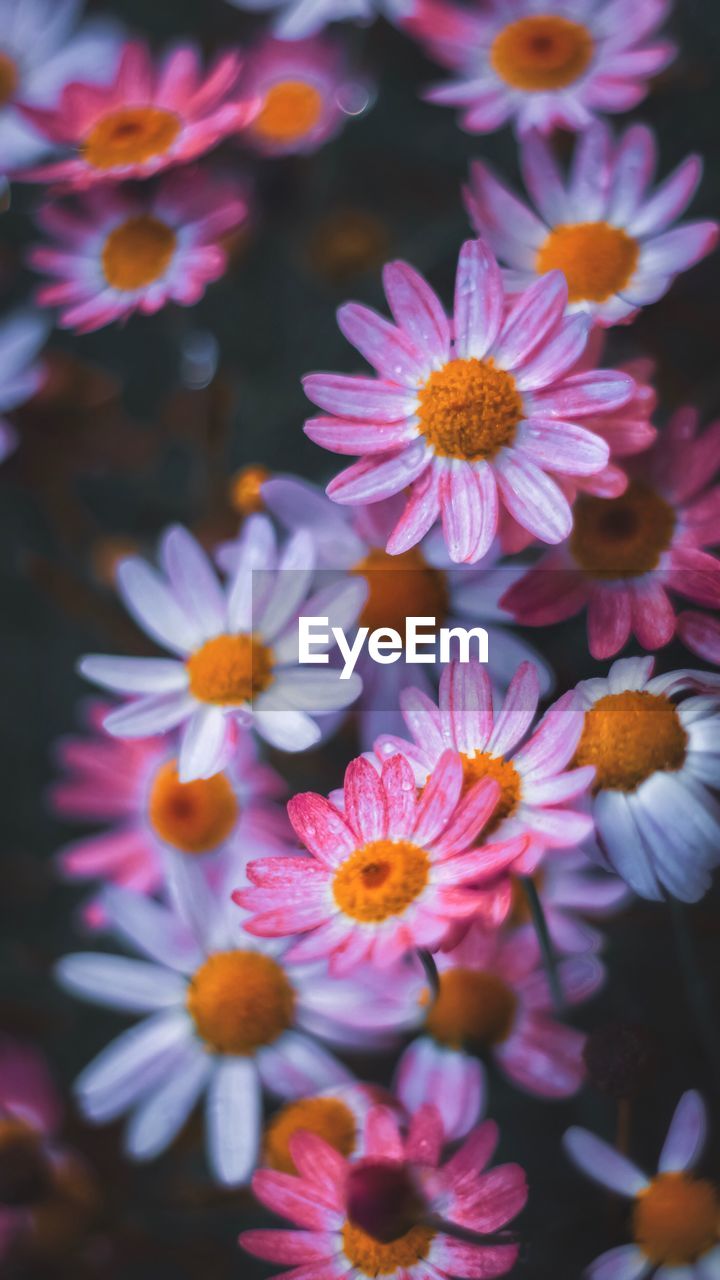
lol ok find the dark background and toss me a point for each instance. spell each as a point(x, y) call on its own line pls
point(125, 447)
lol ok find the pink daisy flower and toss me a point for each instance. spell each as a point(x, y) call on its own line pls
point(495, 1000)
point(543, 64)
point(469, 422)
point(613, 238)
point(392, 1213)
point(23, 334)
point(531, 771)
point(388, 872)
point(146, 120)
point(675, 1215)
point(627, 553)
point(123, 251)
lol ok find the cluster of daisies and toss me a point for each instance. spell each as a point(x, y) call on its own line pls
point(444, 903)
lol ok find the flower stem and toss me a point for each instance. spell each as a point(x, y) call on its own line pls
point(545, 941)
point(427, 961)
point(696, 988)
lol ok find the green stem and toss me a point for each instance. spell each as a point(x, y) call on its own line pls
point(545, 941)
point(431, 972)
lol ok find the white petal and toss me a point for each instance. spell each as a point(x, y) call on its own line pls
point(316, 691)
point(131, 1065)
point(151, 929)
point(148, 716)
point(601, 1163)
point(234, 1113)
point(203, 743)
point(160, 1116)
point(134, 675)
point(119, 982)
point(626, 1263)
point(286, 729)
point(686, 1135)
point(194, 581)
point(155, 608)
point(292, 582)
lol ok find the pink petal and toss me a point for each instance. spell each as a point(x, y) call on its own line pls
point(321, 828)
point(421, 512)
point(584, 394)
point(562, 446)
point(653, 617)
point(439, 797)
point(535, 501)
point(471, 815)
point(466, 705)
point(418, 311)
point(491, 1201)
point(670, 200)
point(295, 1199)
point(474, 1154)
point(367, 399)
point(372, 479)
point(471, 1261)
point(394, 356)
point(518, 710)
point(609, 620)
point(701, 634)
point(479, 300)
point(532, 319)
point(469, 506)
point(556, 356)
point(382, 1135)
point(677, 250)
point(288, 1247)
point(346, 436)
point(365, 801)
point(398, 783)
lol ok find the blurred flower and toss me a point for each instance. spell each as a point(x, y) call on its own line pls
point(301, 18)
point(228, 1016)
point(573, 890)
point(146, 120)
point(246, 496)
point(22, 336)
point(236, 648)
point(656, 767)
point(602, 228)
point(122, 251)
point(675, 1216)
point(468, 422)
point(345, 243)
point(392, 1212)
point(338, 1116)
point(555, 64)
point(387, 873)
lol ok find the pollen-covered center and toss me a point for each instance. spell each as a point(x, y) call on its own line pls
point(246, 489)
point(469, 409)
point(230, 669)
point(9, 78)
point(621, 537)
point(193, 816)
point(137, 253)
point(130, 136)
point(628, 737)
point(240, 1001)
point(401, 587)
point(473, 1008)
point(485, 765)
point(596, 259)
point(542, 52)
point(380, 880)
point(676, 1219)
point(328, 1118)
point(291, 110)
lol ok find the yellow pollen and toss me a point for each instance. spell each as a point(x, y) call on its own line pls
point(8, 78)
point(137, 253)
point(372, 1258)
point(473, 1008)
point(596, 259)
point(676, 1219)
point(485, 765)
point(192, 816)
point(381, 880)
point(328, 1118)
point(628, 737)
point(245, 489)
point(621, 537)
point(542, 52)
point(291, 110)
point(469, 409)
point(401, 587)
point(129, 136)
point(240, 1001)
point(229, 670)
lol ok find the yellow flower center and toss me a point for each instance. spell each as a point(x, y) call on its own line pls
point(328, 1118)
point(473, 1007)
point(401, 587)
point(676, 1219)
point(621, 537)
point(469, 409)
point(245, 489)
point(485, 765)
point(137, 253)
point(230, 669)
point(373, 1258)
point(8, 78)
point(290, 110)
point(542, 52)
point(628, 737)
point(596, 259)
point(192, 816)
point(130, 135)
point(381, 880)
point(240, 1001)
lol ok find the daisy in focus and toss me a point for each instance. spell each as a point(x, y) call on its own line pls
point(338, 1116)
point(469, 415)
point(146, 120)
point(235, 648)
point(298, 19)
point(657, 765)
point(543, 64)
point(122, 251)
point(386, 873)
point(392, 1213)
point(675, 1215)
point(627, 555)
point(610, 234)
point(23, 334)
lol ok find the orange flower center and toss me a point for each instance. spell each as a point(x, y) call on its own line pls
point(8, 78)
point(192, 816)
point(628, 737)
point(373, 1258)
point(401, 587)
point(328, 1118)
point(676, 1219)
point(230, 669)
point(469, 409)
point(473, 1008)
point(137, 253)
point(485, 765)
point(240, 1001)
point(381, 880)
point(130, 135)
point(245, 489)
point(290, 110)
point(596, 259)
point(621, 537)
point(542, 52)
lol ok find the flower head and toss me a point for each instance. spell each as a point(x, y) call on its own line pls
point(22, 336)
